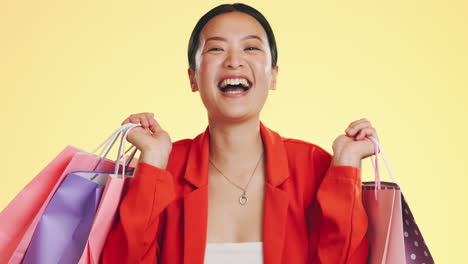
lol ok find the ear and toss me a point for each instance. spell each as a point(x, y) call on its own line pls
point(193, 81)
point(274, 73)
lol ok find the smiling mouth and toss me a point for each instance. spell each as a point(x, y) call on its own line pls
point(234, 86)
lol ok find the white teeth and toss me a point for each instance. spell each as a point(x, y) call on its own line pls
point(244, 82)
point(234, 92)
point(240, 81)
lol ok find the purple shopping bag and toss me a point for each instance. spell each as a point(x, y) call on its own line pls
point(67, 219)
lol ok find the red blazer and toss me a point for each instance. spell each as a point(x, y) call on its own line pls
point(313, 212)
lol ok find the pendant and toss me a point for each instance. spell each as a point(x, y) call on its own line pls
point(243, 199)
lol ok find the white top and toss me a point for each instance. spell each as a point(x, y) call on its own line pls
point(234, 253)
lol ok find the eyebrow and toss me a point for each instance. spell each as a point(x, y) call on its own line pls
point(224, 39)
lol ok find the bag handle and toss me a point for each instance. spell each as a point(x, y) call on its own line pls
point(378, 150)
point(110, 140)
point(131, 156)
point(122, 147)
point(122, 132)
point(108, 144)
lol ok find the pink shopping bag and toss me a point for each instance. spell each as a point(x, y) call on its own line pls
point(394, 237)
point(20, 217)
point(385, 230)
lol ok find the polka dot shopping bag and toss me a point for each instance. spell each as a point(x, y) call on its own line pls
point(394, 237)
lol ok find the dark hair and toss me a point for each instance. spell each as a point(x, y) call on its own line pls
point(227, 8)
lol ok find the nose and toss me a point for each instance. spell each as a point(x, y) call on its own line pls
point(234, 60)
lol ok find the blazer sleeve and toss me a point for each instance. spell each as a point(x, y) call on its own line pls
point(133, 236)
point(342, 217)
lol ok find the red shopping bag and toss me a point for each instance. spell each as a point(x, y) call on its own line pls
point(394, 237)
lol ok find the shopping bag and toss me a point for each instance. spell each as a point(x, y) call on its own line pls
point(80, 161)
point(21, 216)
point(104, 218)
point(394, 237)
point(110, 201)
point(62, 232)
point(20, 213)
point(70, 212)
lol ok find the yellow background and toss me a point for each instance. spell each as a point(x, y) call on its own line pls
point(71, 71)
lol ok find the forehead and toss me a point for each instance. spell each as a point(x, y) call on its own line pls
point(231, 25)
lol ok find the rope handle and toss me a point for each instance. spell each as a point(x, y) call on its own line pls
point(110, 142)
point(121, 148)
point(375, 164)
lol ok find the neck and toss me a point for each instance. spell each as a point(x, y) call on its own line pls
point(235, 144)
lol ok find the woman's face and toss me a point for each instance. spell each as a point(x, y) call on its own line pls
point(233, 67)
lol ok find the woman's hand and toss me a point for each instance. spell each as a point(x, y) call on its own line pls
point(153, 142)
point(349, 149)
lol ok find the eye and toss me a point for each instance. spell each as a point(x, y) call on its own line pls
point(252, 48)
point(215, 49)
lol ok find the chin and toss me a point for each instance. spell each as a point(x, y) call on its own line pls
point(236, 116)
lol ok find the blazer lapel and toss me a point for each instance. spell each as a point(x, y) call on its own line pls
point(276, 198)
point(196, 200)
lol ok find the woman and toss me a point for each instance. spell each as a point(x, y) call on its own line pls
point(239, 191)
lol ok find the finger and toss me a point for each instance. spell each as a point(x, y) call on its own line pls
point(357, 121)
point(144, 122)
point(134, 119)
point(145, 119)
point(353, 130)
point(150, 119)
point(157, 127)
point(126, 121)
point(363, 133)
point(152, 125)
point(373, 133)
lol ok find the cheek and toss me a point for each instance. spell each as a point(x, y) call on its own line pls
point(262, 63)
point(263, 70)
point(204, 75)
point(205, 61)
point(207, 68)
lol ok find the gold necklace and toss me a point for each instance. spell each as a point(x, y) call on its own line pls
point(243, 198)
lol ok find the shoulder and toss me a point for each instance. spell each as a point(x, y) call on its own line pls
point(300, 152)
point(182, 143)
point(298, 147)
point(308, 163)
point(181, 146)
point(306, 158)
point(179, 157)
